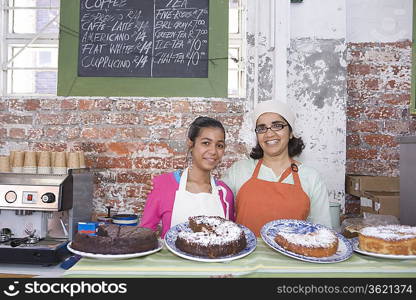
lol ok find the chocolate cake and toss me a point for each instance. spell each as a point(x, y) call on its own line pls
point(116, 239)
point(352, 231)
point(211, 236)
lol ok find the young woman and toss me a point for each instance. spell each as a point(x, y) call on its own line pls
point(271, 184)
point(193, 191)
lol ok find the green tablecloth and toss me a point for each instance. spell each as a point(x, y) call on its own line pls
point(263, 262)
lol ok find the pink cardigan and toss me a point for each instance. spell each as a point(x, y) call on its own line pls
point(159, 204)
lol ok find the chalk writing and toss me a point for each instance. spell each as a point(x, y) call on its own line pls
point(146, 38)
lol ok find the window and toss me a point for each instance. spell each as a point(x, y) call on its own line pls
point(236, 49)
point(29, 56)
point(29, 47)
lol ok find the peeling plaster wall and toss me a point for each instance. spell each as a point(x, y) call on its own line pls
point(379, 20)
point(316, 81)
point(259, 52)
point(319, 19)
point(317, 87)
point(259, 64)
point(317, 93)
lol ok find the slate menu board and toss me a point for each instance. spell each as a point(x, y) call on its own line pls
point(143, 38)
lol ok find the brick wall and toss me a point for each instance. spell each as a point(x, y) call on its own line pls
point(378, 83)
point(133, 138)
point(130, 138)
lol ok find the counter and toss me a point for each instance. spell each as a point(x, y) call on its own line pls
point(27, 270)
point(263, 262)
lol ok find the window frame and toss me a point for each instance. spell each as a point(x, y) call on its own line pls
point(24, 40)
point(236, 40)
point(70, 83)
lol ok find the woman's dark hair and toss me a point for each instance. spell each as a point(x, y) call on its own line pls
point(295, 147)
point(203, 122)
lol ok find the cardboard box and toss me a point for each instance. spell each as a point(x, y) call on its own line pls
point(358, 184)
point(383, 203)
point(89, 228)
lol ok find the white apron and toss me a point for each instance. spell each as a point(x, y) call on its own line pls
point(188, 204)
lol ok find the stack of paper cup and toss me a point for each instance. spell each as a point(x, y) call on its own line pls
point(5, 164)
point(53, 155)
point(29, 165)
point(59, 164)
point(73, 160)
point(44, 163)
point(17, 162)
point(37, 156)
point(11, 157)
point(81, 160)
point(66, 157)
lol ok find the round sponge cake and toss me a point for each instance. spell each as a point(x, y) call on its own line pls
point(211, 236)
point(388, 239)
point(319, 242)
point(116, 239)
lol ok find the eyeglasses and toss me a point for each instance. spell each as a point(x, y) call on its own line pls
point(275, 127)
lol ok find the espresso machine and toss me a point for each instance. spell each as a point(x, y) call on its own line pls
point(39, 214)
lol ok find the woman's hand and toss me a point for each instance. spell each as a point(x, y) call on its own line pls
point(148, 186)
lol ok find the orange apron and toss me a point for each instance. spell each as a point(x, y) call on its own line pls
point(259, 201)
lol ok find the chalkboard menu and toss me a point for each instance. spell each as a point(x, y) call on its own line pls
point(143, 38)
point(148, 48)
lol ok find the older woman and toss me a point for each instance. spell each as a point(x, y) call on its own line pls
point(270, 184)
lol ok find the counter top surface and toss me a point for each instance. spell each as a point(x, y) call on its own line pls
point(27, 270)
point(262, 262)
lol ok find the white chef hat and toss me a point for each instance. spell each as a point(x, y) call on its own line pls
point(277, 107)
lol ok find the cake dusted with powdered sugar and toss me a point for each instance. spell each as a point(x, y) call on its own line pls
point(388, 239)
point(211, 236)
point(318, 242)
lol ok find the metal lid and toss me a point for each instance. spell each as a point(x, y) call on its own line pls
point(124, 219)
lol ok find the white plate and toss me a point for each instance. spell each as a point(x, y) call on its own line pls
point(269, 231)
point(357, 249)
point(172, 234)
point(115, 256)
